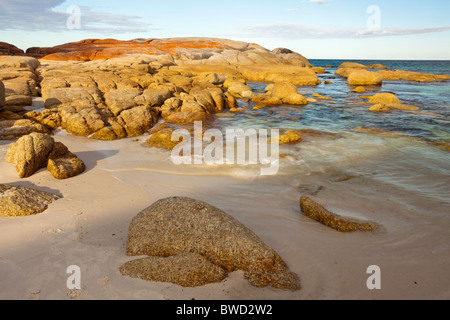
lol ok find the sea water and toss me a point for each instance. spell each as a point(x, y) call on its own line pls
point(399, 178)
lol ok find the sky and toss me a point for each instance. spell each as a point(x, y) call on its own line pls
point(317, 29)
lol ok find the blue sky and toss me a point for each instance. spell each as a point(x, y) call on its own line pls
point(341, 29)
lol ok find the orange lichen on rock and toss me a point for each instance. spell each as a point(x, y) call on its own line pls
point(102, 49)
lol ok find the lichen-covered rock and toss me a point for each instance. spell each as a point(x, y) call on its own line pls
point(17, 127)
point(177, 225)
point(36, 150)
point(2, 95)
point(62, 163)
point(317, 212)
point(359, 89)
point(162, 139)
point(384, 98)
point(20, 201)
point(186, 269)
point(290, 136)
point(284, 92)
point(30, 153)
point(364, 78)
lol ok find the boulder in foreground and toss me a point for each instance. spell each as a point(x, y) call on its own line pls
point(20, 201)
point(176, 226)
point(317, 212)
point(2, 95)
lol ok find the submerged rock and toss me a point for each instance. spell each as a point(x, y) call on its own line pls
point(364, 78)
point(315, 211)
point(20, 201)
point(178, 225)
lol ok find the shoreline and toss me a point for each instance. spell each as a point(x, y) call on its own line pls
point(88, 227)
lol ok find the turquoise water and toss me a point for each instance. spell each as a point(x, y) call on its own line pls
point(345, 111)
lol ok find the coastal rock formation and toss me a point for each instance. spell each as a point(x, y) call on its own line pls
point(183, 50)
point(186, 269)
point(63, 164)
point(411, 76)
point(30, 153)
point(37, 150)
point(281, 93)
point(299, 135)
point(20, 201)
point(13, 126)
point(359, 89)
point(162, 139)
point(347, 68)
point(317, 212)
point(356, 65)
point(290, 136)
point(386, 101)
point(8, 49)
point(2, 95)
point(111, 89)
point(176, 226)
point(21, 81)
point(364, 78)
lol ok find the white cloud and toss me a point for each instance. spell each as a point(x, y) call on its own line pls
point(295, 31)
point(29, 15)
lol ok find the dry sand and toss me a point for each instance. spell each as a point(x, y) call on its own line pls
point(88, 227)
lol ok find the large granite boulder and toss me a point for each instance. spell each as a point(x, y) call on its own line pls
point(177, 226)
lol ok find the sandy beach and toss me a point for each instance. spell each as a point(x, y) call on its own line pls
point(88, 227)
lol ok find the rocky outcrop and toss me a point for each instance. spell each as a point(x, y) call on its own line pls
point(411, 76)
point(30, 153)
point(364, 78)
point(8, 49)
point(348, 68)
point(36, 150)
point(186, 269)
point(176, 226)
point(317, 212)
point(356, 65)
point(183, 50)
point(162, 139)
point(63, 164)
point(21, 201)
point(299, 135)
point(20, 79)
point(386, 101)
point(281, 93)
point(2, 95)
